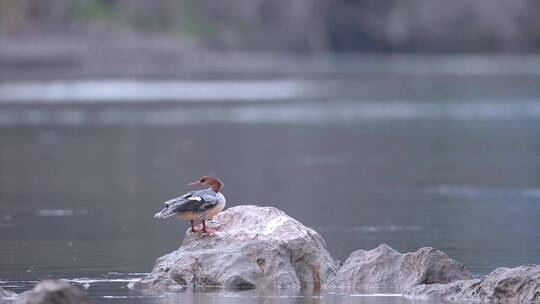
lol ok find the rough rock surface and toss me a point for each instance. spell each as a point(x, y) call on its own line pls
point(54, 292)
point(6, 294)
point(386, 269)
point(503, 285)
point(253, 247)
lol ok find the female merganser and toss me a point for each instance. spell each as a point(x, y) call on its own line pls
point(197, 205)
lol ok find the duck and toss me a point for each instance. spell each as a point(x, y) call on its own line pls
point(197, 205)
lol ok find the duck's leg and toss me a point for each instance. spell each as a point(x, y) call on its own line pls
point(193, 229)
point(207, 229)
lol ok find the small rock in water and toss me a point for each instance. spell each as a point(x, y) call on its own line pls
point(7, 294)
point(54, 292)
point(384, 268)
point(253, 247)
point(503, 285)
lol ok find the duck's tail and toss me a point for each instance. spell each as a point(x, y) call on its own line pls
point(165, 213)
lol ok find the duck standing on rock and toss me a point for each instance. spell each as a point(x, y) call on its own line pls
point(197, 205)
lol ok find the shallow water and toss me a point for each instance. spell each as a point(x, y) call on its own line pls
point(451, 166)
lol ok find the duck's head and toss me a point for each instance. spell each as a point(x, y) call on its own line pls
point(213, 182)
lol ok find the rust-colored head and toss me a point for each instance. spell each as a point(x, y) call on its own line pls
point(213, 182)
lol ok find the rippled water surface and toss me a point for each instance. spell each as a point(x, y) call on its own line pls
point(449, 161)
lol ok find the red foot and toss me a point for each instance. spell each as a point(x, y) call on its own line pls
point(208, 230)
point(193, 229)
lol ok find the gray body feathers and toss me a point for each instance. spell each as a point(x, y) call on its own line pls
point(198, 202)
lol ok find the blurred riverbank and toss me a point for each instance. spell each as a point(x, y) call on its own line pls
point(158, 57)
point(303, 26)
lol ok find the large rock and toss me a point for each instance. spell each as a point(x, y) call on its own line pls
point(54, 292)
point(253, 247)
point(503, 285)
point(383, 268)
point(6, 294)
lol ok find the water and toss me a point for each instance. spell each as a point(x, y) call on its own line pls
point(449, 161)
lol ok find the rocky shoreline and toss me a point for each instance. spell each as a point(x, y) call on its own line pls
point(262, 247)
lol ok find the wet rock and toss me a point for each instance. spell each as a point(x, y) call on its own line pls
point(54, 292)
point(253, 247)
point(503, 285)
point(6, 294)
point(384, 268)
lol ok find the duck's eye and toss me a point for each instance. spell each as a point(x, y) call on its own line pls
point(203, 180)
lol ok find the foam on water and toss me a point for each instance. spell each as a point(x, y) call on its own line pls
point(135, 297)
point(100, 280)
point(377, 295)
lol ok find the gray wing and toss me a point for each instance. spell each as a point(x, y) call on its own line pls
point(193, 201)
point(174, 200)
point(196, 201)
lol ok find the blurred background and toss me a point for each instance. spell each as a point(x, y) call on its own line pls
point(411, 123)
